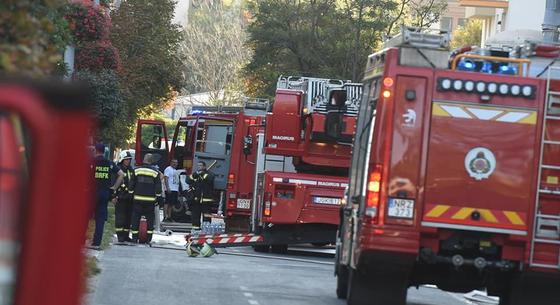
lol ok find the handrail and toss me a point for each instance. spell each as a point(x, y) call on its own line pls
point(519, 61)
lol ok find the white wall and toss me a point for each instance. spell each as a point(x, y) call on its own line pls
point(525, 14)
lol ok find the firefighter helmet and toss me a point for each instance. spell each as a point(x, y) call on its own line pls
point(193, 250)
point(124, 155)
point(207, 250)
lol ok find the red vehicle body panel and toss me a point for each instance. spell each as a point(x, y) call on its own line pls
point(49, 270)
point(242, 168)
point(292, 198)
point(426, 162)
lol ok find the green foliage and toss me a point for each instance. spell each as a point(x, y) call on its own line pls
point(148, 43)
point(32, 34)
point(324, 38)
point(468, 35)
point(109, 107)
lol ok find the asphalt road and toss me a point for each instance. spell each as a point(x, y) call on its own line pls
point(140, 275)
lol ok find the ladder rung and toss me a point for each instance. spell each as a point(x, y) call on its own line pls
point(549, 192)
point(554, 92)
point(552, 117)
point(548, 166)
point(549, 216)
point(551, 266)
point(547, 241)
point(551, 142)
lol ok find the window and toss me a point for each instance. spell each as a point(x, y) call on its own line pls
point(153, 137)
point(462, 21)
point(214, 137)
point(446, 24)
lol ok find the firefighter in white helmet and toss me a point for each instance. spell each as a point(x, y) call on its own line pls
point(123, 207)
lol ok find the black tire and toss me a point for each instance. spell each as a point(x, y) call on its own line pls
point(341, 281)
point(379, 288)
point(261, 248)
point(525, 290)
point(360, 288)
point(279, 249)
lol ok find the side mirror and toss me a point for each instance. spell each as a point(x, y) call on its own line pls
point(247, 145)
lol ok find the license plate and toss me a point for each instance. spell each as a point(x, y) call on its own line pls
point(243, 203)
point(403, 208)
point(326, 200)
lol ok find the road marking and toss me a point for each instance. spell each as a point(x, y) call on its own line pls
point(253, 302)
point(248, 294)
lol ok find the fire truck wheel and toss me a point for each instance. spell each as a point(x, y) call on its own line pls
point(279, 249)
point(341, 281)
point(388, 288)
point(532, 290)
point(360, 288)
point(261, 248)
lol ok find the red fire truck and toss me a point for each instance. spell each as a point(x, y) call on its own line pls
point(42, 127)
point(215, 135)
point(455, 175)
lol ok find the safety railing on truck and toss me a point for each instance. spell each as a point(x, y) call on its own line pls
point(317, 90)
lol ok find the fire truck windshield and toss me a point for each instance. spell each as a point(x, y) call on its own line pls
point(13, 177)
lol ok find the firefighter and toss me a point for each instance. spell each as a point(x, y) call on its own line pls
point(202, 184)
point(105, 171)
point(145, 187)
point(123, 208)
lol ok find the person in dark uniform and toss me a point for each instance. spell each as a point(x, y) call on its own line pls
point(202, 184)
point(123, 207)
point(105, 171)
point(145, 187)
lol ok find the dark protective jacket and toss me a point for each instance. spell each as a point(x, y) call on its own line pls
point(123, 191)
point(202, 185)
point(145, 185)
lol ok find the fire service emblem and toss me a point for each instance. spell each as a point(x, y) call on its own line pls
point(480, 163)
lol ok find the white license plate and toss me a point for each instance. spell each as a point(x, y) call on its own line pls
point(403, 208)
point(326, 200)
point(243, 203)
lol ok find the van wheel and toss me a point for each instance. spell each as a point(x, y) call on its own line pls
point(341, 281)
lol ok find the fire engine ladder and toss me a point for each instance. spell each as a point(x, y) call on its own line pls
point(547, 226)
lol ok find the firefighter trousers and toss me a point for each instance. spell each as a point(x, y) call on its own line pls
point(123, 217)
point(146, 209)
point(197, 210)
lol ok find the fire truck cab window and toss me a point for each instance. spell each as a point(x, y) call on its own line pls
point(153, 137)
point(214, 138)
point(183, 145)
point(13, 177)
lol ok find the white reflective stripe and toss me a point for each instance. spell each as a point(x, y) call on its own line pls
point(513, 117)
point(472, 228)
point(224, 241)
point(456, 112)
point(300, 181)
point(276, 179)
point(484, 114)
point(239, 240)
point(254, 238)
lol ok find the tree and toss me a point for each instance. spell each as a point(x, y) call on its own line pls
point(32, 36)
point(324, 38)
point(468, 35)
point(148, 43)
point(149, 47)
point(215, 53)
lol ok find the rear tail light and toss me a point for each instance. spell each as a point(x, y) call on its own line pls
point(231, 181)
point(267, 204)
point(373, 195)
